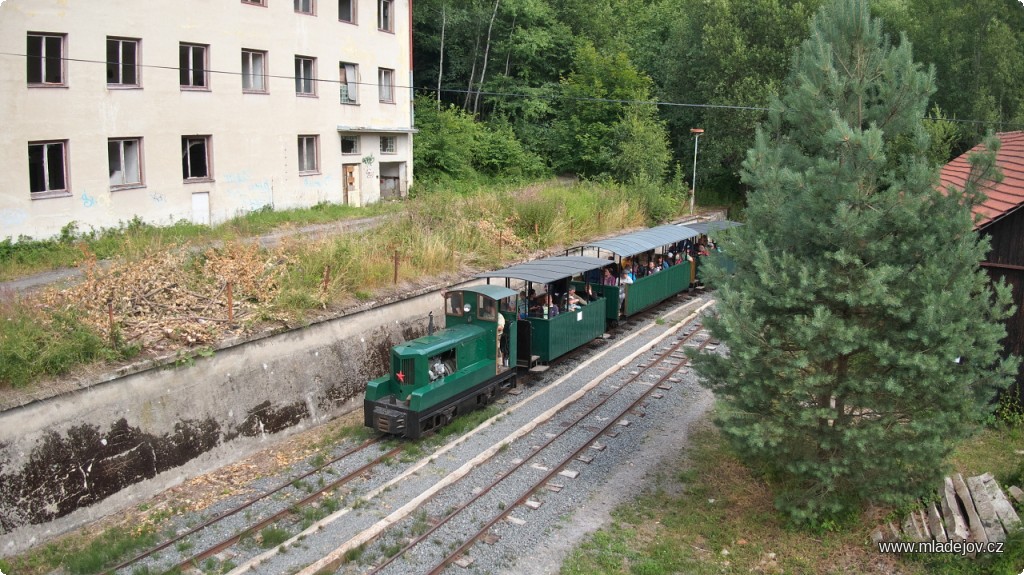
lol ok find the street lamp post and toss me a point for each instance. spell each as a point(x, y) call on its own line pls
point(693, 189)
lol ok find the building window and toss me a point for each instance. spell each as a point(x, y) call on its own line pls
point(195, 158)
point(388, 144)
point(255, 2)
point(346, 11)
point(305, 7)
point(254, 71)
point(386, 82)
point(45, 59)
point(305, 76)
point(349, 80)
point(122, 62)
point(385, 15)
point(124, 159)
point(309, 154)
point(47, 168)
point(350, 144)
point(192, 66)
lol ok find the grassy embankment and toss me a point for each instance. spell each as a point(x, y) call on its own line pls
point(711, 514)
point(48, 334)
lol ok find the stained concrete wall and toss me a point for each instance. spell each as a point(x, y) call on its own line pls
point(67, 460)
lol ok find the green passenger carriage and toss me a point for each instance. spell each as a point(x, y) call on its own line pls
point(653, 289)
point(544, 336)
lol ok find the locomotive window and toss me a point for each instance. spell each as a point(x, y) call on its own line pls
point(441, 365)
point(454, 304)
point(486, 308)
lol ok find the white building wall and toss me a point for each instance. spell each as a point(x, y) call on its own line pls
point(254, 137)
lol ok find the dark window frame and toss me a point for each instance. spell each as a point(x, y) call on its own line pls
point(301, 81)
point(304, 142)
point(352, 5)
point(41, 153)
point(248, 78)
point(355, 140)
point(119, 68)
point(42, 68)
point(120, 142)
point(386, 85)
point(386, 16)
point(187, 69)
point(188, 143)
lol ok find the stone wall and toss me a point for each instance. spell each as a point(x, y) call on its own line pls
point(68, 459)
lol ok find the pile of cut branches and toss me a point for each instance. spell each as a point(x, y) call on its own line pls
point(174, 298)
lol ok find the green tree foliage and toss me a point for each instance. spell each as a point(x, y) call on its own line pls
point(595, 122)
point(452, 145)
point(717, 62)
point(978, 52)
point(863, 337)
point(723, 53)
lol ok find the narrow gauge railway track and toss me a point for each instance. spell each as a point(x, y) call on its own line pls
point(334, 559)
point(594, 435)
point(287, 510)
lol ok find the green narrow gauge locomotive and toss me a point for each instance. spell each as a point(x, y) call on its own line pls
point(455, 370)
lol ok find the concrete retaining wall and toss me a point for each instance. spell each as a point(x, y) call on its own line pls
point(66, 460)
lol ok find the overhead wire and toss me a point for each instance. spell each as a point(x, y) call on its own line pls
point(424, 89)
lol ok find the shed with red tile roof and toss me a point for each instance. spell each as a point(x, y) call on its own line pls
point(1001, 218)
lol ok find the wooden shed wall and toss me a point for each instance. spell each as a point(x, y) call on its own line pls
point(1006, 261)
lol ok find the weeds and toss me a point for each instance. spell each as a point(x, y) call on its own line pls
point(273, 536)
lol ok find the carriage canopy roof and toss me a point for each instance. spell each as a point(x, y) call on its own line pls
point(548, 270)
point(712, 227)
point(645, 240)
point(493, 292)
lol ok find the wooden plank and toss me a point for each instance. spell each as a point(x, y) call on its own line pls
point(977, 531)
point(955, 524)
point(935, 524)
point(983, 503)
point(910, 529)
point(1002, 506)
point(1016, 493)
point(922, 520)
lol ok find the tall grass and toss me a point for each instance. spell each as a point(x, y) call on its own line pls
point(445, 232)
point(134, 238)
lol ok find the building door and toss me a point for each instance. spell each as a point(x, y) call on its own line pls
point(350, 184)
point(201, 208)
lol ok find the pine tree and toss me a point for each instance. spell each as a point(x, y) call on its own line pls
point(863, 337)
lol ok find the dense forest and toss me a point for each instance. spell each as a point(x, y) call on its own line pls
point(610, 89)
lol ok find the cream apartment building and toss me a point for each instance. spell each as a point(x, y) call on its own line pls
point(199, 110)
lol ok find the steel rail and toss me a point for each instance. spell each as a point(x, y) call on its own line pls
point(545, 444)
point(235, 510)
point(228, 542)
point(556, 469)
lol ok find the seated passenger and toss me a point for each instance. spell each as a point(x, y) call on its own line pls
point(588, 294)
point(641, 271)
point(574, 301)
point(608, 279)
point(652, 268)
point(552, 307)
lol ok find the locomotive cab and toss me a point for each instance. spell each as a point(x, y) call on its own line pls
point(434, 378)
